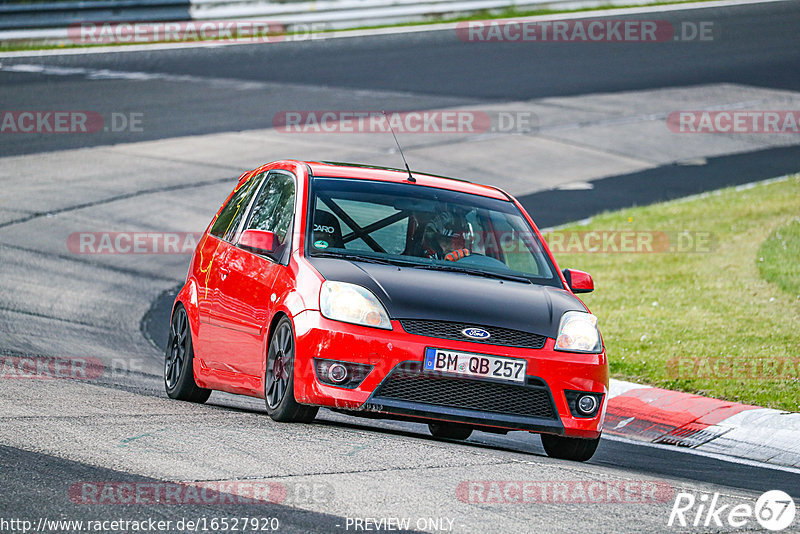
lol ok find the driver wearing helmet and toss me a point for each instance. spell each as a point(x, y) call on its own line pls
point(445, 236)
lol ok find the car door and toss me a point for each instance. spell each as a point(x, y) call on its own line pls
point(246, 294)
point(212, 269)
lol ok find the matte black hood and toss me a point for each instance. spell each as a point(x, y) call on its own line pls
point(409, 293)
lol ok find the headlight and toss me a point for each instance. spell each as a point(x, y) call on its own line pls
point(578, 333)
point(350, 303)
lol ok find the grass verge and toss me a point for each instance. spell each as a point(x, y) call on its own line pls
point(779, 258)
point(721, 318)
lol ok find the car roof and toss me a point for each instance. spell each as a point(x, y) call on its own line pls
point(387, 174)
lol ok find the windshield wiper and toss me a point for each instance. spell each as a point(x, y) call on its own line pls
point(353, 256)
point(412, 264)
point(475, 272)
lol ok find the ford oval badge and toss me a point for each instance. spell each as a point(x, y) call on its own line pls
point(476, 333)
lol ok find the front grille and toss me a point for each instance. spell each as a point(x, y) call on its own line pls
point(450, 330)
point(408, 383)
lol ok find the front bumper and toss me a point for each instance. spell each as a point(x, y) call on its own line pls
point(397, 384)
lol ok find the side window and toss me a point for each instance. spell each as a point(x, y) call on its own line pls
point(391, 237)
point(273, 210)
point(231, 215)
point(519, 249)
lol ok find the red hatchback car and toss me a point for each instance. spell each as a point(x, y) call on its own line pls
point(382, 293)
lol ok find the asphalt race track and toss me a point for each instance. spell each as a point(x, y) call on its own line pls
point(207, 114)
point(757, 45)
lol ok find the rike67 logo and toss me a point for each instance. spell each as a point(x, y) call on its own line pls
point(774, 510)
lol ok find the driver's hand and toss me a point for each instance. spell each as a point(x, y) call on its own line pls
point(457, 254)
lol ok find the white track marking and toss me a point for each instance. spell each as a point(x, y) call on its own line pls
point(228, 83)
point(697, 452)
point(106, 74)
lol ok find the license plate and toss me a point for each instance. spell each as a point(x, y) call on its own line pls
point(476, 365)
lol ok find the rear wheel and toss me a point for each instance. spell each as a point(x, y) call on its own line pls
point(450, 430)
point(179, 361)
point(575, 449)
point(279, 379)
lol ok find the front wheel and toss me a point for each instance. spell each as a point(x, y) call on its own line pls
point(575, 449)
point(279, 379)
point(179, 361)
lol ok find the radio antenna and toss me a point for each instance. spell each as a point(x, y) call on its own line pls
point(410, 177)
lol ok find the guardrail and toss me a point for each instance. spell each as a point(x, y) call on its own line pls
point(61, 14)
point(48, 22)
point(351, 13)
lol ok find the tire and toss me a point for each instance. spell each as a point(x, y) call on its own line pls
point(575, 449)
point(450, 431)
point(279, 378)
point(179, 361)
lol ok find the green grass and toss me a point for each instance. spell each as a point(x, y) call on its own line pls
point(779, 258)
point(509, 12)
point(723, 323)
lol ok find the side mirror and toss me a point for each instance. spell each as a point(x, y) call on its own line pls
point(579, 281)
point(258, 241)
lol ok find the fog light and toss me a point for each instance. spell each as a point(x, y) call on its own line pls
point(587, 404)
point(337, 373)
point(341, 374)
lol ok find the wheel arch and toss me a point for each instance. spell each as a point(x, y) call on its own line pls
point(273, 323)
point(289, 305)
point(187, 297)
point(276, 318)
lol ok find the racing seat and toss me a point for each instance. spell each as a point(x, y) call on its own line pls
point(414, 237)
point(327, 229)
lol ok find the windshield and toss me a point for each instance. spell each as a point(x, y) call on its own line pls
point(424, 227)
